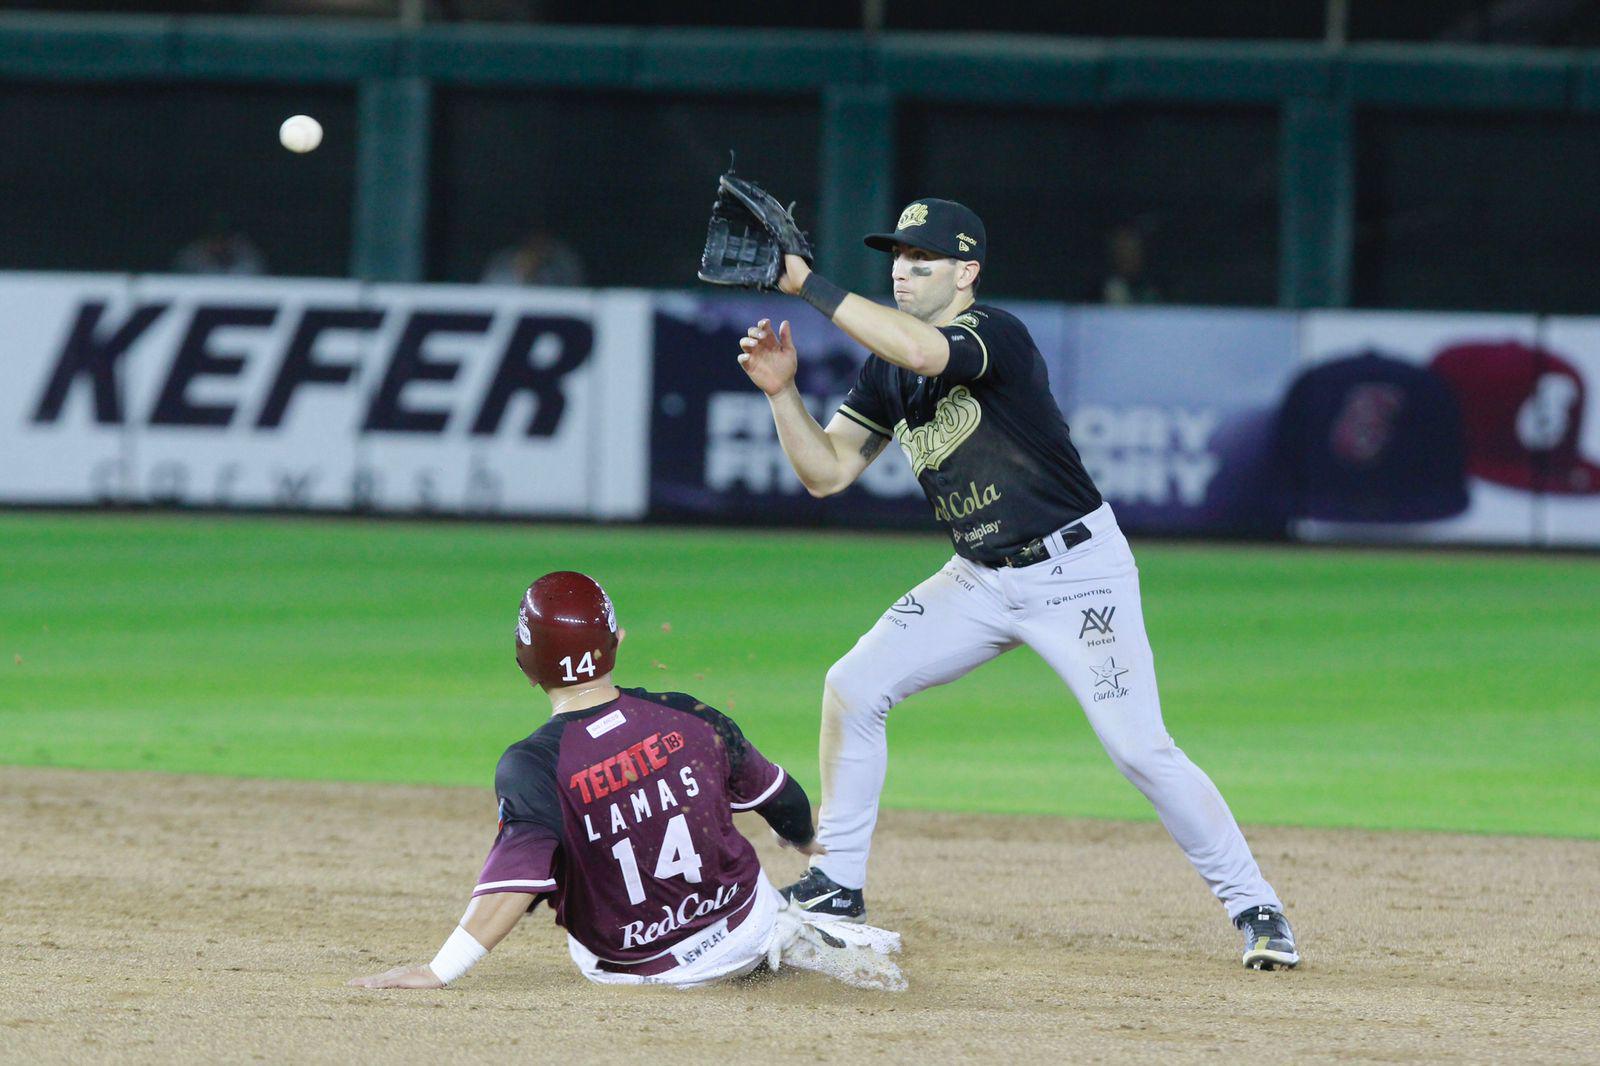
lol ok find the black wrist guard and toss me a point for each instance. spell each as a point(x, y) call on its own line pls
point(822, 294)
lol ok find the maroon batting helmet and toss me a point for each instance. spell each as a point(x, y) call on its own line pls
point(566, 631)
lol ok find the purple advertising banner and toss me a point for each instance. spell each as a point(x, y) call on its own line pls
point(1174, 411)
point(1171, 409)
point(714, 449)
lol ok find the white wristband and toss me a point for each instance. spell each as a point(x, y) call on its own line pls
point(459, 954)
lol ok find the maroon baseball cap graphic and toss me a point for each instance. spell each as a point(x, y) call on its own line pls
point(1523, 411)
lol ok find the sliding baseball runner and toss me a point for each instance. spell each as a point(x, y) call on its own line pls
point(617, 811)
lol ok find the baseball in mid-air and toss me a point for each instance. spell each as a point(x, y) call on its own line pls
point(300, 133)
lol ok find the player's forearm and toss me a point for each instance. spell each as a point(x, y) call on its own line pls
point(491, 916)
point(887, 332)
point(789, 813)
point(893, 335)
point(487, 921)
point(810, 451)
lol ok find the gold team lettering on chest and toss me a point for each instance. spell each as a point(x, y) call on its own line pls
point(955, 419)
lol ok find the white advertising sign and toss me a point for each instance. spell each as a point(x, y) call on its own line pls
point(324, 395)
point(1559, 419)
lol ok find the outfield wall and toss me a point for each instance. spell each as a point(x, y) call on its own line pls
point(626, 404)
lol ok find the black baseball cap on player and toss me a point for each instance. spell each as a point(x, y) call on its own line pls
point(942, 226)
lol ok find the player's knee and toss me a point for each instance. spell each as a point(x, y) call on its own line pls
point(849, 693)
point(1138, 759)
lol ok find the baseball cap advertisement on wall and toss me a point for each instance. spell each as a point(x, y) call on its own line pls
point(1372, 438)
point(941, 226)
point(1522, 408)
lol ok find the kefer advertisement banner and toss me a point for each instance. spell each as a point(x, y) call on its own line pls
point(621, 405)
point(323, 395)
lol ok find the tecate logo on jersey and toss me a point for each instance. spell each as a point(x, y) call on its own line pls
point(638, 934)
point(617, 772)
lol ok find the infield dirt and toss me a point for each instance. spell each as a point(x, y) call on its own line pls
point(156, 918)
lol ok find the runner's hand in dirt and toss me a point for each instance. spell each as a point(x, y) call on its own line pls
point(488, 919)
point(418, 976)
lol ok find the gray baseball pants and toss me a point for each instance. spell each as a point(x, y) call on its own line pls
point(1080, 610)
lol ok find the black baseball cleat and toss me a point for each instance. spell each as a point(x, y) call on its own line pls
point(1268, 940)
point(822, 899)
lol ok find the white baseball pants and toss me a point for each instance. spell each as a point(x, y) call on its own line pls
point(1081, 612)
point(774, 934)
point(709, 956)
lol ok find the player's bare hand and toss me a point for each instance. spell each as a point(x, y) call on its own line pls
point(811, 850)
point(419, 976)
point(795, 272)
point(768, 356)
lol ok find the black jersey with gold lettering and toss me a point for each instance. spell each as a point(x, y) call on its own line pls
point(985, 438)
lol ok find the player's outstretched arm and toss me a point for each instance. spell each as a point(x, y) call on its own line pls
point(887, 332)
point(826, 460)
point(487, 921)
point(789, 815)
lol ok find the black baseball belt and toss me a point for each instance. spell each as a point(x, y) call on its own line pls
point(1038, 549)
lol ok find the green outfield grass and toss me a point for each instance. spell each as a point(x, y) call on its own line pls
point(1447, 690)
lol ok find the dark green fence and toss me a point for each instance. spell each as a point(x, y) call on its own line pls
point(1256, 173)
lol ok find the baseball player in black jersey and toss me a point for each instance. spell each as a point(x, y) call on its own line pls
point(618, 813)
point(1038, 559)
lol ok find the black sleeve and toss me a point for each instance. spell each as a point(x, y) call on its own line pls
point(525, 783)
point(752, 779)
point(728, 731)
point(866, 405)
point(985, 342)
point(789, 813)
point(527, 843)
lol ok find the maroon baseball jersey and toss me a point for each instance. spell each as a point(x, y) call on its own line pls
point(623, 813)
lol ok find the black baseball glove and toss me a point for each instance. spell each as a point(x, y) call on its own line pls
point(749, 234)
